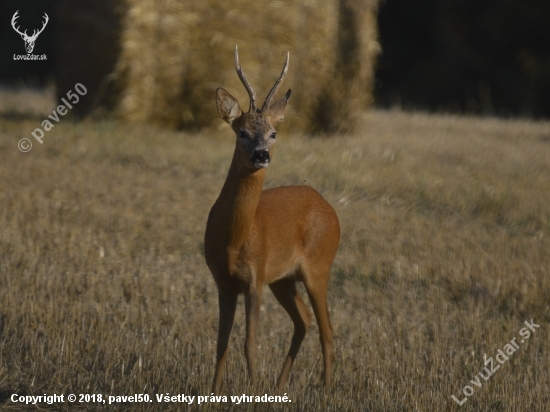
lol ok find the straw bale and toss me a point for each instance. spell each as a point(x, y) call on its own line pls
point(174, 55)
point(351, 90)
point(152, 62)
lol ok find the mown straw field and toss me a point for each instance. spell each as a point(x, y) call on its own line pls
point(444, 255)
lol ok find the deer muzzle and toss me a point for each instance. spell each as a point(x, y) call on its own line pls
point(260, 158)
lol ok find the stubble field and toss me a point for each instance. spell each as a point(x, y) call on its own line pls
point(444, 254)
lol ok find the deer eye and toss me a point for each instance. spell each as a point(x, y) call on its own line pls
point(274, 135)
point(243, 134)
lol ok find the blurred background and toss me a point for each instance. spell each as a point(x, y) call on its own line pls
point(161, 61)
point(445, 223)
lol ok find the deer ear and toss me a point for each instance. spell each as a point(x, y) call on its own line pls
point(277, 110)
point(228, 106)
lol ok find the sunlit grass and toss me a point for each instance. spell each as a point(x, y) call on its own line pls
point(444, 253)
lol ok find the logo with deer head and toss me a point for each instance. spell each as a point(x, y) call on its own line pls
point(29, 40)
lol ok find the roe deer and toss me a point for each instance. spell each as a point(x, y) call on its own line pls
point(277, 237)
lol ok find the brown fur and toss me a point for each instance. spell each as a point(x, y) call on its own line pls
point(275, 237)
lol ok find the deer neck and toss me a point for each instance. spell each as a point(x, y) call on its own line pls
point(238, 201)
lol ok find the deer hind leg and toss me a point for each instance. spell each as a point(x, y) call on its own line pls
point(316, 287)
point(287, 295)
point(252, 308)
point(228, 304)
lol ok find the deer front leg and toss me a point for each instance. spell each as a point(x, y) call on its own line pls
point(252, 309)
point(228, 304)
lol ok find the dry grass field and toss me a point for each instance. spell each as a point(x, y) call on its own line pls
point(445, 252)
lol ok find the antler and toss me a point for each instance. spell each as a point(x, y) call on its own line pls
point(276, 86)
point(13, 19)
point(244, 80)
point(35, 33)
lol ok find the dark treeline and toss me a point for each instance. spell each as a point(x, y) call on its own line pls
point(468, 56)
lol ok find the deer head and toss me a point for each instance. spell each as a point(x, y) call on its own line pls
point(255, 129)
point(29, 40)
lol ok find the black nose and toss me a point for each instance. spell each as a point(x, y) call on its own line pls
point(260, 156)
